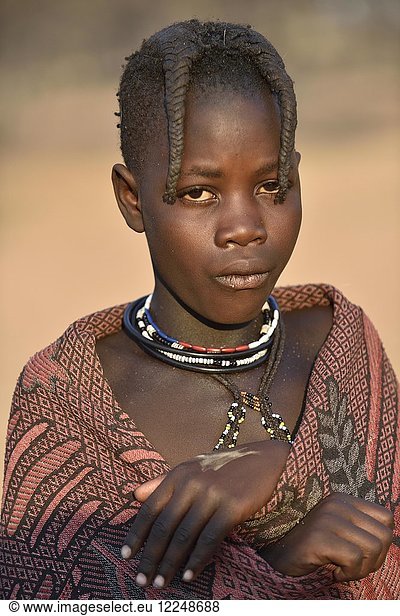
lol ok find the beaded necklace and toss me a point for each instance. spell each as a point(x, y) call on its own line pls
point(139, 324)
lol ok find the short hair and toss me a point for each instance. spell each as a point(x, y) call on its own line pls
point(185, 55)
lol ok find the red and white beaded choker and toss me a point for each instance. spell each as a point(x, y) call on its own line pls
point(139, 324)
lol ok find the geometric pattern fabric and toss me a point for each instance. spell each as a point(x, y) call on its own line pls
point(73, 458)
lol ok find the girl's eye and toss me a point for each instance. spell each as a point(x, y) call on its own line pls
point(269, 188)
point(197, 195)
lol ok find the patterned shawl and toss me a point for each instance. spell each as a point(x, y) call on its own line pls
point(73, 458)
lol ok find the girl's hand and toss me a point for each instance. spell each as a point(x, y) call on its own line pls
point(349, 532)
point(187, 513)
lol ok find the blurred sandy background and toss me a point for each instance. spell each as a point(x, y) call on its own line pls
point(65, 250)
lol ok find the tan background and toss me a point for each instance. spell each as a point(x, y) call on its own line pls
point(65, 251)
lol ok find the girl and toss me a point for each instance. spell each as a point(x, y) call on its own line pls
point(228, 438)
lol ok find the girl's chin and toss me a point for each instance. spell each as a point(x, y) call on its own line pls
point(232, 317)
point(222, 308)
point(241, 308)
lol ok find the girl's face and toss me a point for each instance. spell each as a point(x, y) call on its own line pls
point(224, 243)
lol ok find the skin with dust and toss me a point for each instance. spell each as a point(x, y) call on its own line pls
point(218, 460)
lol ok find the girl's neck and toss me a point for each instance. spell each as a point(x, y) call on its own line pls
point(182, 323)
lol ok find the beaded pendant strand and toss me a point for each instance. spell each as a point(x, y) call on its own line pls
point(271, 422)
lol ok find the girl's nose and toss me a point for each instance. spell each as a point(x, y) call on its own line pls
point(241, 222)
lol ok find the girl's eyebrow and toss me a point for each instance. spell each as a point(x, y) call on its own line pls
point(205, 173)
point(267, 168)
point(217, 173)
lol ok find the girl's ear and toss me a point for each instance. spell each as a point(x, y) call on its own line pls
point(126, 194)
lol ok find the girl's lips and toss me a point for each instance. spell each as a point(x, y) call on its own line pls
point(243, 281)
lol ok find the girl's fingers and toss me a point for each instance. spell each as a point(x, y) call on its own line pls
point(161, 533)
point(145, 490)
point(377, 512)
point(145, 518)
point(346, 531)
point(379, 529)
point(182, 542)
point(374, 519)
point(373, 548)
point(211, 536)
point(349, 562)
point(346, 555)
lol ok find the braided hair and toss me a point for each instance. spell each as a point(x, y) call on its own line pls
point(186, 55)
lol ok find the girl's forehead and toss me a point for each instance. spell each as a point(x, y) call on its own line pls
point(218, 130)
point(231, 111)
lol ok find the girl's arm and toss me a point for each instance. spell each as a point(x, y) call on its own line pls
point(348, 532)
point(187, 513)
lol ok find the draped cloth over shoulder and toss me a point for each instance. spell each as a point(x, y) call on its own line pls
point(73, 458)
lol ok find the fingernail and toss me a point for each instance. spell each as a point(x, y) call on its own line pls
point(188, 575)
point(159, 581)
point(126, 551)
point(141, 579)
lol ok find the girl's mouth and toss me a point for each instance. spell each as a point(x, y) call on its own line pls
point(243, 281)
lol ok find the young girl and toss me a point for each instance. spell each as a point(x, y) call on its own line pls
point(222, 438)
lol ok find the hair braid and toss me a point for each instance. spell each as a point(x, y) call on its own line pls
point(179, 52)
